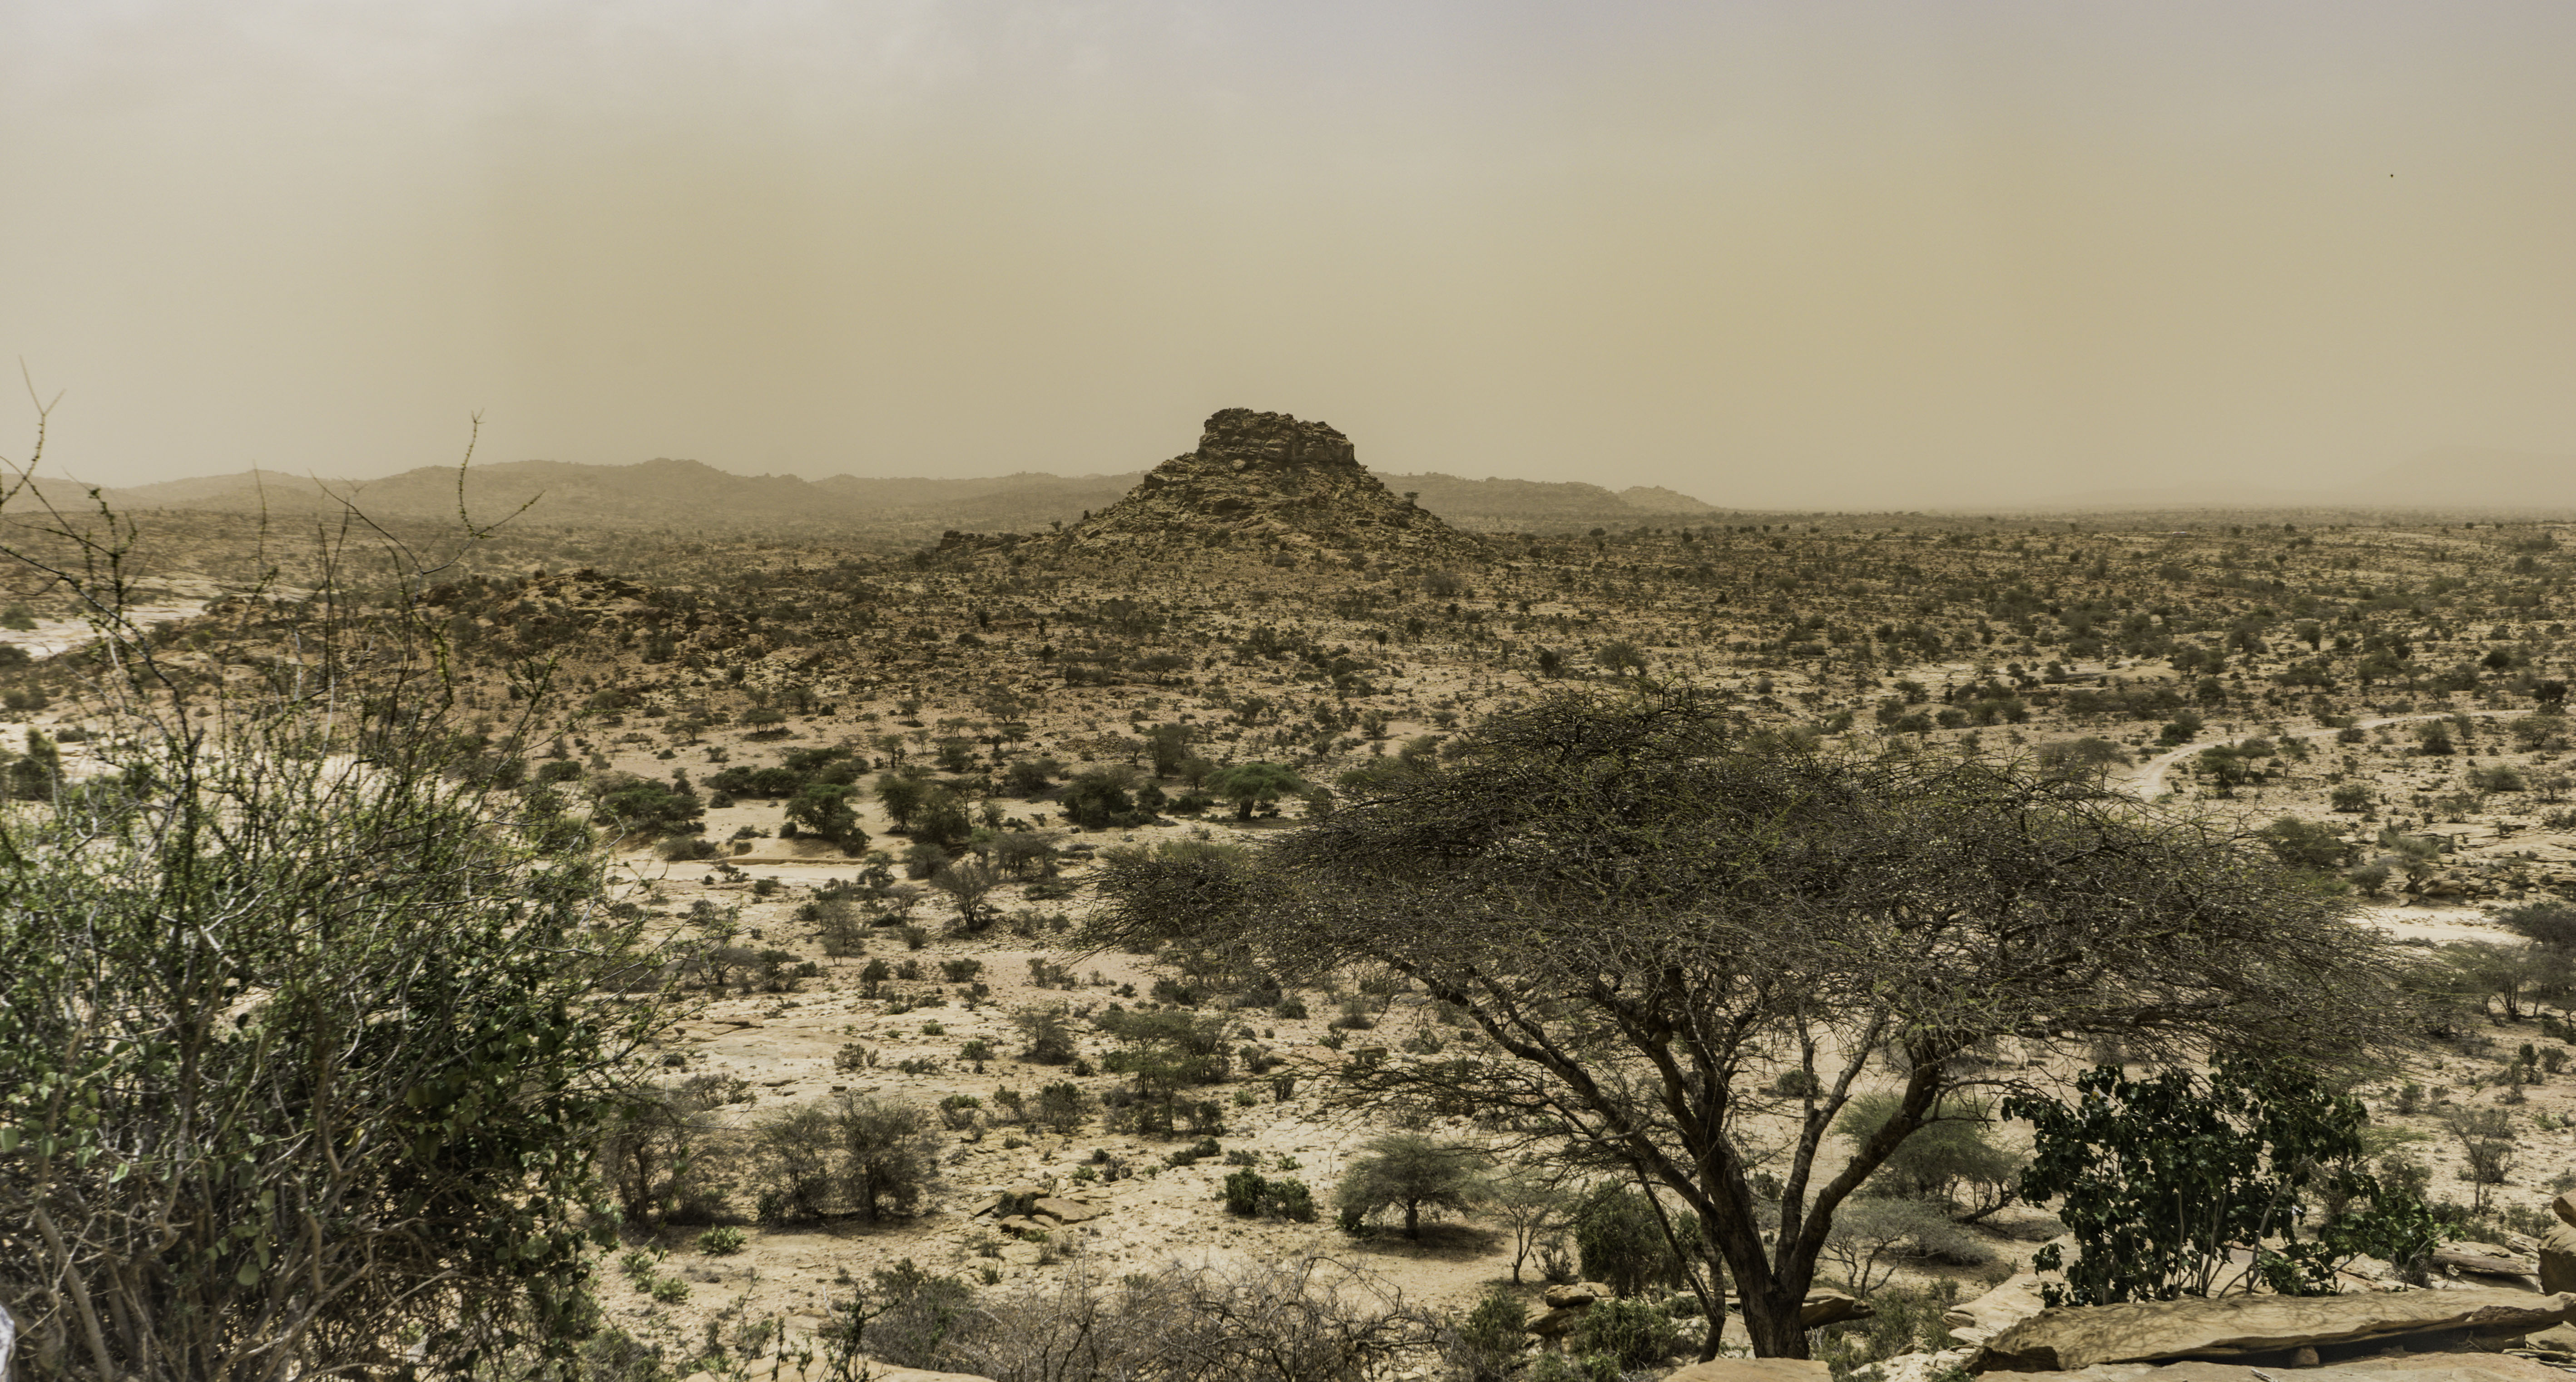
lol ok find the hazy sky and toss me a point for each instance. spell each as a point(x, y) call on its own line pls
point(1864, 255)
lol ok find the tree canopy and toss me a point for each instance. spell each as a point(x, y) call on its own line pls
point(1688, 951)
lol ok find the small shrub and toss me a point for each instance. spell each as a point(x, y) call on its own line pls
point(1634, 1333)
point(1489, 1345)
point(1248, 1193)
point(721, 1242)
point(1574, 1367)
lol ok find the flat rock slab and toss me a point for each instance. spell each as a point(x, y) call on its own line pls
point(1824, 1305)
point(1758, 1370)
point(1068, 1211)
point(2074, 1337)
point(2398, 1367)
point(2015, 1300)
point(1560, 1320)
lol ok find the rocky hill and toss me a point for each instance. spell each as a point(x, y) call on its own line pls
point(1265, 482)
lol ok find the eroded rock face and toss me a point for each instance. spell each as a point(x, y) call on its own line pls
point(1751, 1370)
point(2070, 1338)
point(2402, 1367)
point(1264, 483)
point(2558, 1248)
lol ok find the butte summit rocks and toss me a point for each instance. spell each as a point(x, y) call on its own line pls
point(1258, 483)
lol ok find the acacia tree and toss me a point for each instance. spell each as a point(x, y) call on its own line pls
point(1253, 785)
point(1408, 1171)
point(1686, 951)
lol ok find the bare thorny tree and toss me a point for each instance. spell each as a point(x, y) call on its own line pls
point(1683, 952)
point(300, 1062)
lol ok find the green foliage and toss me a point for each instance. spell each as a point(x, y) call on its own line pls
point(902, 794)
point(1952, 1158)
point(1903, 1320)
point(1635, 1333)
point(1253, 786)
point(1100, 799)
point(2550, 925)
point(874, 1156)
point(660, 1153)
point(1049, 1035)
point(2159, 1178)
point(1489, 1345)
point(642, 807)
point(1574, 1367)
point(1871, 1233)
point(1030, 777)
point(968, 883)
point(1751, 894)
point(1247, 1192)
point(723, 1241)
point(823, 810)
point(2306, 844)
point(1167, 1052)
point(1411, 1172)
point(298, 1054)
point(1621, 1241)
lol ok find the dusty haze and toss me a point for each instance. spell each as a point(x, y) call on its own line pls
point(1830, 254)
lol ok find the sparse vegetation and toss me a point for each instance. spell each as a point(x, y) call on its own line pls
point(2336, 713)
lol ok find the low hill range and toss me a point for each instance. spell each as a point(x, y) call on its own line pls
point(690, 496)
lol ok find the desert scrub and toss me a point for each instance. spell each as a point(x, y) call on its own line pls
point(421, 930)
point(724, 1241)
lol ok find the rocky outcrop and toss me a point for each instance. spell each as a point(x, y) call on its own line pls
point(2015, 1299)
point(1258, 483)
point(2075, 1337)
point(2389, 1367)
point(2558, 1248)
point(1751, 1370)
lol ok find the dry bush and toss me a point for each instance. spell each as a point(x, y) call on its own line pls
point(1298, 1321)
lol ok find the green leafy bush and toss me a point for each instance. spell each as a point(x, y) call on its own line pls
point(2159, 1179)
point(1633, 1332)
point(1248, 1193)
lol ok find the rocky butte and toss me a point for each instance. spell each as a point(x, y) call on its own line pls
point(1258, 483)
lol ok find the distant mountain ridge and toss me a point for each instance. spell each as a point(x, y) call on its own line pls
point(689, 495)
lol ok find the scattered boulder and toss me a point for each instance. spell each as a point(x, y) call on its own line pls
point(1066, 1211)
point(2558, 1248)
point(1825, 1305)
point(2389, 1367)
point(1558, 1323)
point(2481, 1259)
point(1976, 1321)
point(1577, 1294)
point(2068, 1338)
point(1923, 1367)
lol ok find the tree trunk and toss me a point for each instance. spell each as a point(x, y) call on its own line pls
point(1771, 1322)
point(1412, 1219)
